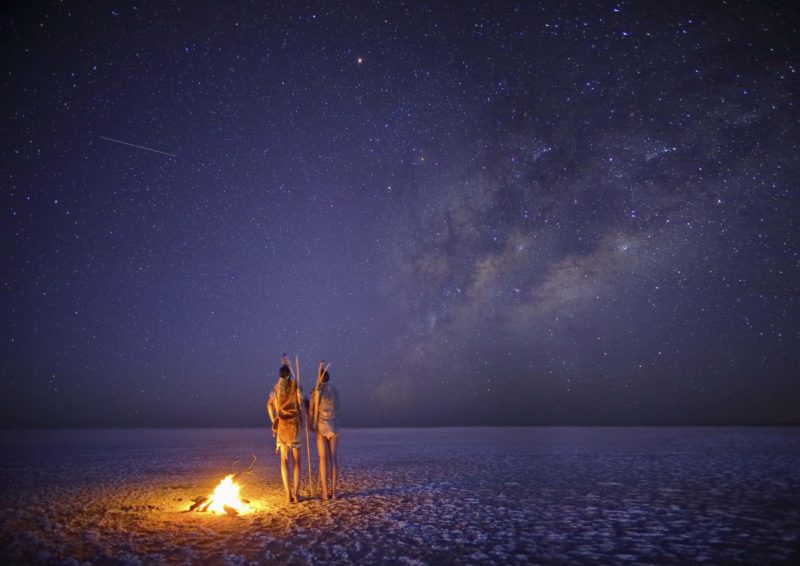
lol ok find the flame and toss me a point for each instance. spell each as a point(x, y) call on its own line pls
point(227, 494)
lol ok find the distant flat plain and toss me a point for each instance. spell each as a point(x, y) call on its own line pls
point(540, 495)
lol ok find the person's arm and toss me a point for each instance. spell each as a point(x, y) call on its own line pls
point(312, 408)
point(299, 398)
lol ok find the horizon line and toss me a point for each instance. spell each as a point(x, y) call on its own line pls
point(209, 427)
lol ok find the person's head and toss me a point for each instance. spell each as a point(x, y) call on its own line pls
point(284, 372)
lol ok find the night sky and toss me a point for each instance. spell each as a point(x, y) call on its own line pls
point(482, 214)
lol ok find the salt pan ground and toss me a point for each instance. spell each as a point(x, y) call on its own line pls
point(408, 496)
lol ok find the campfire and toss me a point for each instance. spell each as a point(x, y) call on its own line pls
point(225, 499)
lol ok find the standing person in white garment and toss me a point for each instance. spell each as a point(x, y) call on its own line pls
point(325, 421)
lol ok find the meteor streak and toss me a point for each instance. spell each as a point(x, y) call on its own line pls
point(138, 146)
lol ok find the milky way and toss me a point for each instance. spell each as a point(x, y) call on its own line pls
point(493, 214)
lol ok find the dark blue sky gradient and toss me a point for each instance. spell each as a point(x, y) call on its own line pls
point(494, 213)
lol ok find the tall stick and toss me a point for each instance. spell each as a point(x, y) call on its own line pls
point(308, 442)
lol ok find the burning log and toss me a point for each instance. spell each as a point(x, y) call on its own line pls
point(198, 501)
point(225, 499)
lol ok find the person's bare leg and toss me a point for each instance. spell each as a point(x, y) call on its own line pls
point(323, 465)
point(296, 461)
point(285, 472)
point(334, 464)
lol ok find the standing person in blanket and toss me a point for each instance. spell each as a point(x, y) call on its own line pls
point(285, 411)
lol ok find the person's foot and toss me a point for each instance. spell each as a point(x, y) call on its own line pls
point(295, 498)
point(289, 499)
point(333, 496)
point(324, 496)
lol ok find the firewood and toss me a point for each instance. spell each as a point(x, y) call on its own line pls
point(230, 510)
point(198, 501)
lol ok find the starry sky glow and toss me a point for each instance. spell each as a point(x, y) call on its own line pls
point(484, 213)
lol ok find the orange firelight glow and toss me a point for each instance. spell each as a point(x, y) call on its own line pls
point(226, 494)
